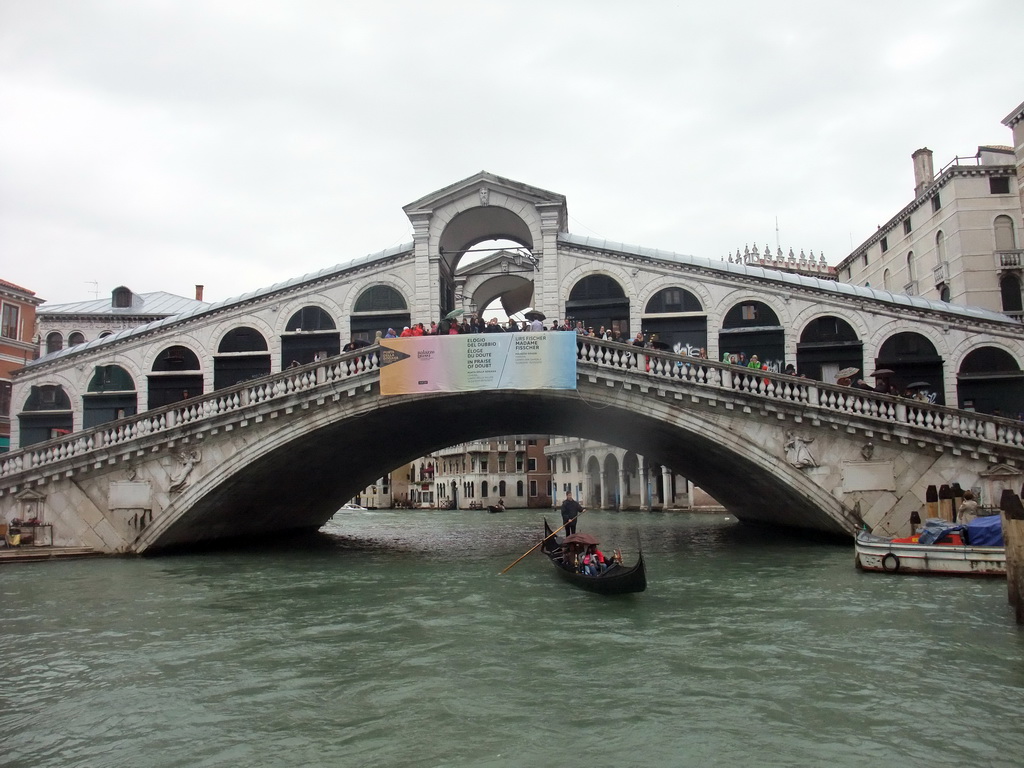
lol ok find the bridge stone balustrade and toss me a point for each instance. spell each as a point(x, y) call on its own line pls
point(283, 452)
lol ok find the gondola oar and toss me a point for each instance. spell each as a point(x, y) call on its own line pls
point(531, 549)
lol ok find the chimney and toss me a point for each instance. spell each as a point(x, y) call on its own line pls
point(924, 172)
point(199, 293)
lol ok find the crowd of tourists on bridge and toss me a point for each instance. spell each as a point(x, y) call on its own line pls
point(477, 324)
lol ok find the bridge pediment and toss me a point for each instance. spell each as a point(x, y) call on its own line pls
point(481, 186)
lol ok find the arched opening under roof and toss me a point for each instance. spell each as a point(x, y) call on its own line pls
point(827, 345)
point(915, 365)
point(991, 381)
point(676, 317)
point(752, 328)
point(176, 376)
point(111, 395)
point(242, 354)
point(597, 300)
point(309, 335)
point(45, 415)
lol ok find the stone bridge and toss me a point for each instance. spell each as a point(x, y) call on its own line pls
point(282, 453)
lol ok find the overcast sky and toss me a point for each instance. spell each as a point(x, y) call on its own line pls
point(161, 144)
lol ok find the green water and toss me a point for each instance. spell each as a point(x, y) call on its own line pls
point(392, 641)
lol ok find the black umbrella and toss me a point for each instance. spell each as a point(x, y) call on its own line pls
point(918, 384)
point(533, 314)
point(883, 372)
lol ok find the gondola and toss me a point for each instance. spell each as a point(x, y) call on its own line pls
point(616, 580)
point(496, 508)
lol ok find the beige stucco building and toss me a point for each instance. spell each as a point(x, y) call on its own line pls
point(959, 239)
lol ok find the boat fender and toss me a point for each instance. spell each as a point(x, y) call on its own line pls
point(890, 563)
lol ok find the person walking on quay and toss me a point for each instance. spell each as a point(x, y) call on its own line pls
point(571, 510)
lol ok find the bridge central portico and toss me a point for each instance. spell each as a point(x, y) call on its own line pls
point(230, 414)
point(278, 454)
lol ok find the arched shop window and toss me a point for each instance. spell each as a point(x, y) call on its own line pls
point(242, 354)
point(176, 376)
point(598, 300)
point(912, 358)
point(45, 415)
point(752, 328)
point(111, 395)
point(378, 308)
point(990, 381)
point(310, 334)
point(675, 316)
point(827, 345)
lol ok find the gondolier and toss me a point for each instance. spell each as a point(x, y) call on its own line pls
point(571, 509)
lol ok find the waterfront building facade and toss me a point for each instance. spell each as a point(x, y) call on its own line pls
point(17, 347)
point(959, 239)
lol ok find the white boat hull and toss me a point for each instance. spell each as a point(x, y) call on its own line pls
point(950, 559)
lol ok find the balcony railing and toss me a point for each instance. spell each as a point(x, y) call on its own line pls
point(1010, 259)
point(940, 273)
point(910, 288)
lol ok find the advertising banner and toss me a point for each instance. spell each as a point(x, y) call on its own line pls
point(476, 361)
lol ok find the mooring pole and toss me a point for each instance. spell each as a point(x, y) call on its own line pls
point(1013, 535)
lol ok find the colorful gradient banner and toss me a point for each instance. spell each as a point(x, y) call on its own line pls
point(475, 361)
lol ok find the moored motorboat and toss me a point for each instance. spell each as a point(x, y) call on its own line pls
point(350, 507)
point(975, 549)
point(617, 579)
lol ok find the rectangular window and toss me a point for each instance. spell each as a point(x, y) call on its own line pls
point(533, 465)
point(519, 462)
point(906, 227)
point(999, 185)
point(533, 487)
point(748, 312)
point(936, 202)
point(864, 261)
point(501, 463)
point(885, 244)
point(483, 463)
point(9, 325)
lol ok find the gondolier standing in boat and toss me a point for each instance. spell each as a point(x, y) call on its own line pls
point(571, 509)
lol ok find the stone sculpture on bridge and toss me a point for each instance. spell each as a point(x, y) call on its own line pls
point(797, 452)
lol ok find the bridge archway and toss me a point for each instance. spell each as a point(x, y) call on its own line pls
point(110, 395)
point(599, 300)
point(175, 375)
point(299, 477)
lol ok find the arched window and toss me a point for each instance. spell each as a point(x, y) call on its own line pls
point(940, 248)
point(76, 337)
point(887, 280)
point(1009, 290)
point(483, 489)
point(673, 300)
point(378, 308)
point(911, 268)
point(501, 488)
point(598, 300)
point(380, 298)
point(310, 319)
point(242, 339)
point(1005, 238)
point(176, 358)
point(519, 487)
point(176, 376)
point(54, 342)
point(110, 396)
point(46, 415)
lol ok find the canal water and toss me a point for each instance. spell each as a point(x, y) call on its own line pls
point(391, 640)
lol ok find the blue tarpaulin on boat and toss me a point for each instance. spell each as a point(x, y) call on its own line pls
point(986, 531)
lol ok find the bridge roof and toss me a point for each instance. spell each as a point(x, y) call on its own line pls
point(788, 278)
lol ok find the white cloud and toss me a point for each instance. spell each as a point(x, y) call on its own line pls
point(162, 144)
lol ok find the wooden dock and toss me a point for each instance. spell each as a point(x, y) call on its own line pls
point(29, 554)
